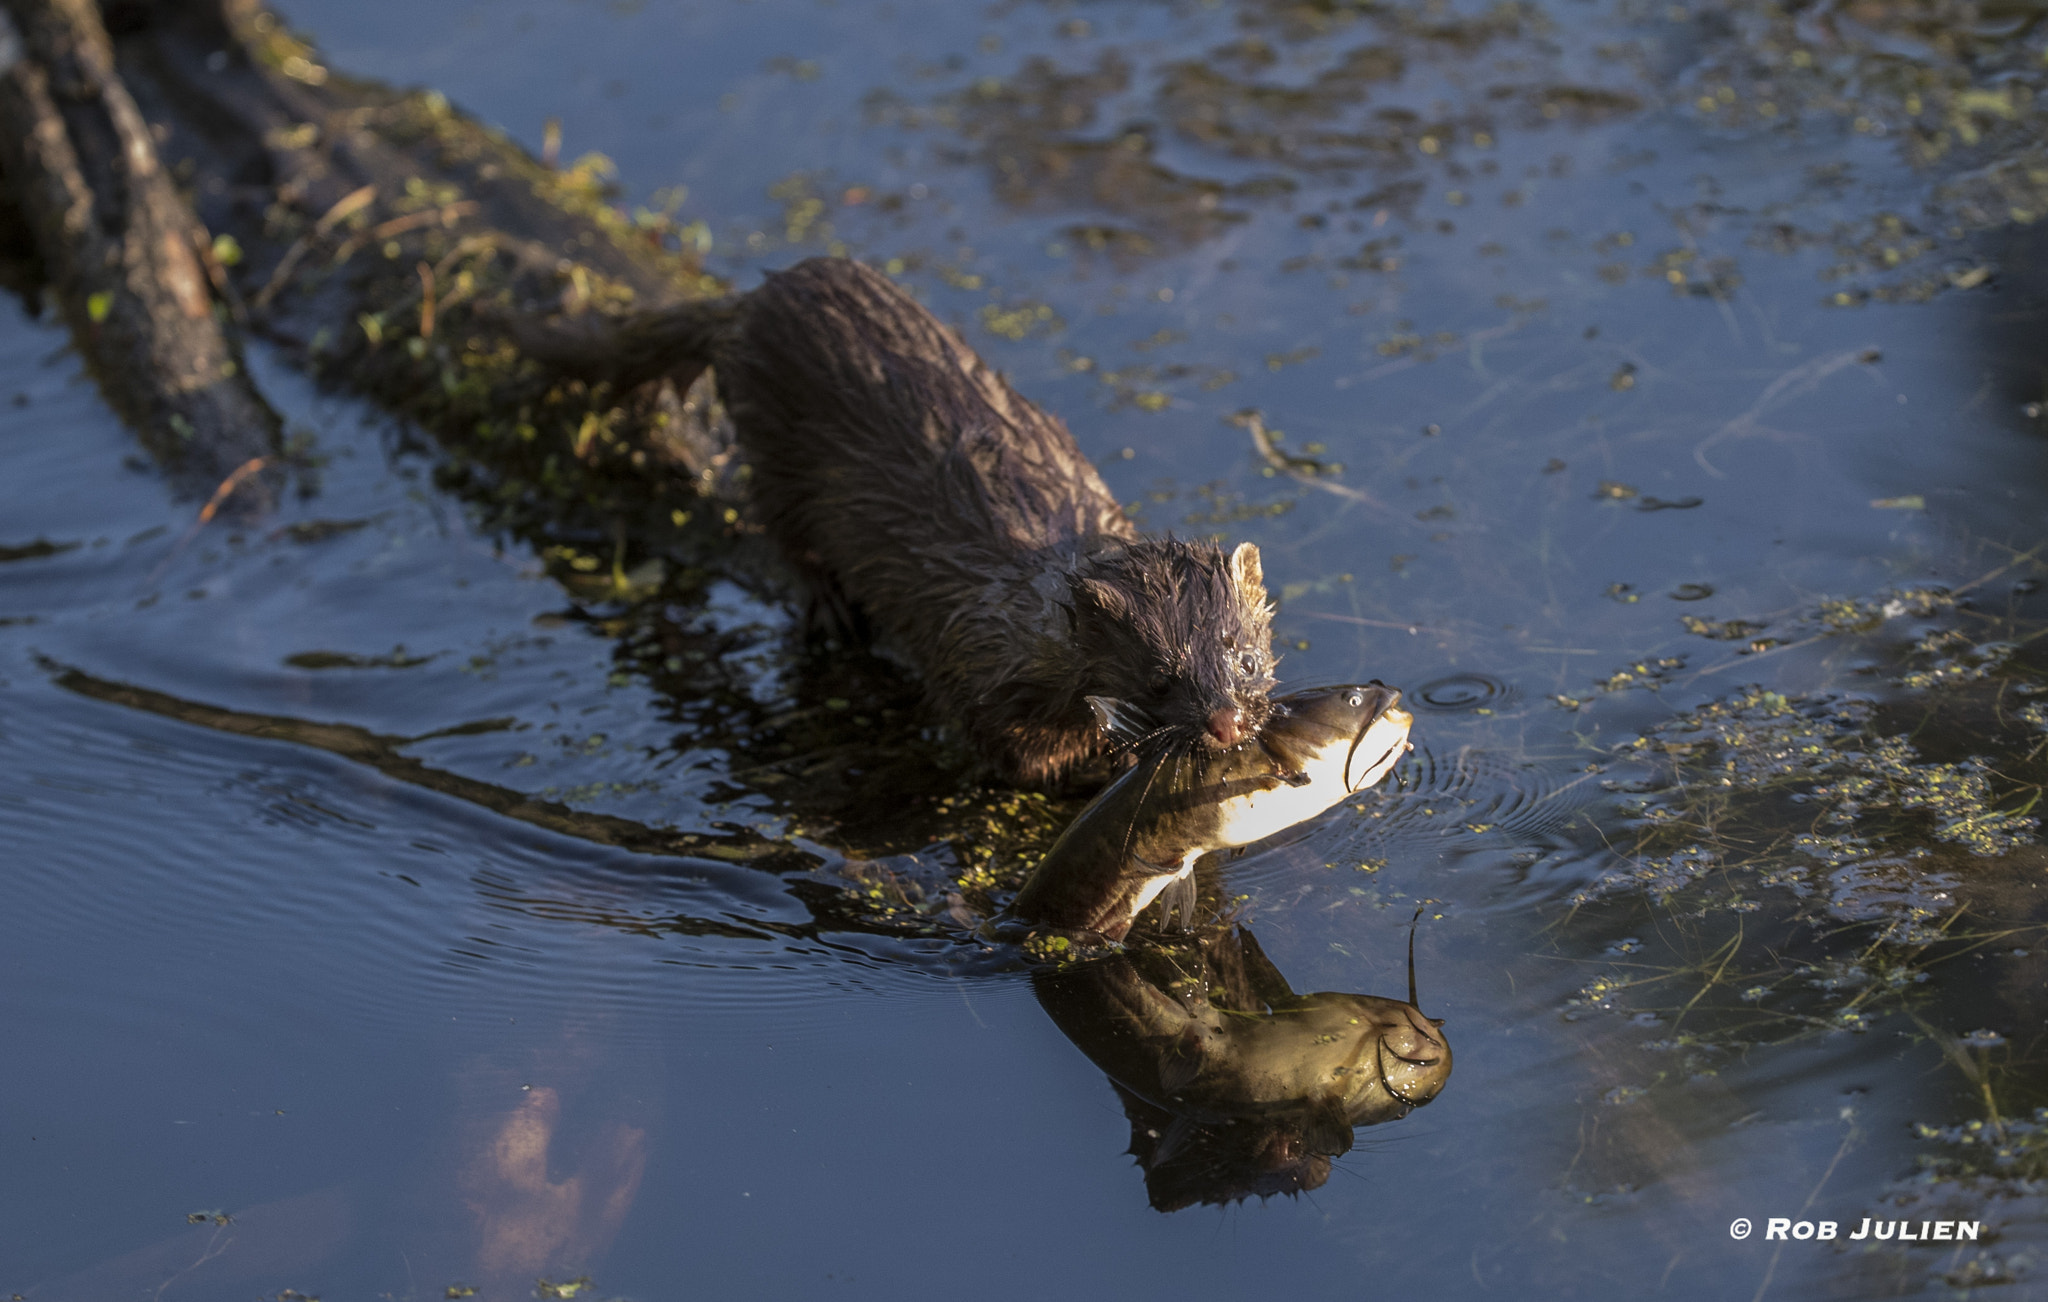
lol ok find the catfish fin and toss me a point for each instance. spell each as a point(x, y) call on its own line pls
point(1327, 1131)
point(1177, 904)
point(1182, 1060)
point(1260, 975)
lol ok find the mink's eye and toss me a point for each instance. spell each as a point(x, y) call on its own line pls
point(1248, 664)
point(1159, 685)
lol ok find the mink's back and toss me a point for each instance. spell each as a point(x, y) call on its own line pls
point(886, 451)
point(923, 498)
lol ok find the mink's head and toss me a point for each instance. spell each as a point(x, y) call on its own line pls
point(1177, 641)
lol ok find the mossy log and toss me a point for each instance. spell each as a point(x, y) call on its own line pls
point(392, 246)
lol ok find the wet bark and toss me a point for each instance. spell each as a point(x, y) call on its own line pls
point(393, 245)
point(130, 268)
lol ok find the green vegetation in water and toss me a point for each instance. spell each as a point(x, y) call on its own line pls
point(1798, 865)
point(1852, 794)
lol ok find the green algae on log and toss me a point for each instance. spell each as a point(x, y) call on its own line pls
point(386, 238)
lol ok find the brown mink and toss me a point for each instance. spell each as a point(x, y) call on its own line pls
point(915, 488)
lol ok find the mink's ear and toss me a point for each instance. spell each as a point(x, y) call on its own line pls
point(1106, 598)
point(1247, 573)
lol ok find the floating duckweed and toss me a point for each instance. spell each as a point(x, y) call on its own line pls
point(1662, 875)
point(1019, 321)
point(1952, 659)
point(2015, 1148)
point(1758, 736)
point(1726, 630)
point(1861, 615)
point(1833, 850)
point(1644, 673)
point(1049, 949)
point(1886, 775)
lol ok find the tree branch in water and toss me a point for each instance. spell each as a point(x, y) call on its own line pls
point(131, 268)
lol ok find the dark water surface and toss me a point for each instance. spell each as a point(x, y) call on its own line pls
point(1642, 393)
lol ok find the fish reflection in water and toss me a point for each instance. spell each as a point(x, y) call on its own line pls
point(1234, 1085)
point(1138, 841)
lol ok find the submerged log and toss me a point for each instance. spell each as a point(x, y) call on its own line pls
point(131, 269)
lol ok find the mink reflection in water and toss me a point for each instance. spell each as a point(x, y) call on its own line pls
point(1234, 1085)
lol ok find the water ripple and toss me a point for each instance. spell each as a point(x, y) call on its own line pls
point(1455, 693)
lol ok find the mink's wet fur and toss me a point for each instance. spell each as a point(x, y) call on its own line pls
point(923, 498)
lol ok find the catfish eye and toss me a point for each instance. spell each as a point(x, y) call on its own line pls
point(1355, 700)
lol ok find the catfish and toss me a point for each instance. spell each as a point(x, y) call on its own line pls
point(1140, 838)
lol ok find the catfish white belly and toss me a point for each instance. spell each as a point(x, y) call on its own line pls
point(1140, 838)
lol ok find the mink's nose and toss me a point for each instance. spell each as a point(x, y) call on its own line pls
point(1227, 726)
